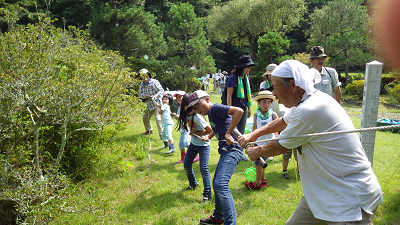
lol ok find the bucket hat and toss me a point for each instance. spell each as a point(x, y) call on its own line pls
point(244, 61)
point(269, 69)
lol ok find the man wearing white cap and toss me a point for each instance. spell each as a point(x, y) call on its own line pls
point(152, 91)
point(338, 183)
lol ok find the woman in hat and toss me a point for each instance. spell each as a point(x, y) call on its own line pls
point(238, 89)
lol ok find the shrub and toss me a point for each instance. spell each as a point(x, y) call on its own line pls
point(280, 59)
point(395, 92)
point(356, 88)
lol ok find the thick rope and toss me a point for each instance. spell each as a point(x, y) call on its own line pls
point(326, 133)
point(314, 134)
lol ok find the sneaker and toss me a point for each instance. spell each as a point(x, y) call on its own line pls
point(172, 150)
point(211, 220)
point(191, 187)
point(253, 185)
point(285, 175)
point(206, 199)
point(196, 159)
point(264, 183)
point(270, 158)
point(147, 132)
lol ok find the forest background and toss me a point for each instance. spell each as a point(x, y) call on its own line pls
point(68, 72)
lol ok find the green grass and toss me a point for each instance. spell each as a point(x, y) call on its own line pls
point(151, 192)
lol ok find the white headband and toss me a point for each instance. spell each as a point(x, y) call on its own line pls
point(302, 75)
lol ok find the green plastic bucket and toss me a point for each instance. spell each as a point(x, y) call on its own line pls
point(251, 174)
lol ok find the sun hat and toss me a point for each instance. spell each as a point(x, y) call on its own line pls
point(244, 61)
point(224, 73)
point(316, 52)
point(264, 94)
point(269, 69)
point(179, 93)
point(195, 98)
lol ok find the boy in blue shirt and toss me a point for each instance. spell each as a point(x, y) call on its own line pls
point(223, 120)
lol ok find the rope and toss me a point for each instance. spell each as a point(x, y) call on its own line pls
point(314, 134)
point(327, 133)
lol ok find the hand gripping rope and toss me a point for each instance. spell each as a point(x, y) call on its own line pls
point(325, 133)
point(236, 133)
point(250, 144)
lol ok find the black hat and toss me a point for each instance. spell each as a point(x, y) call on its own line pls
point(244, 61)
point(316, 52)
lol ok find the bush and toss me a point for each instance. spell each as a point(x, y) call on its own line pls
point(356, 88)
point(395, 92)
point(280, 59)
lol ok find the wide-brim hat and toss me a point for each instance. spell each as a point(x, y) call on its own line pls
point(264, 94)
point(269, 69)
point(195, 98)
point(244, 61)
point(316, 52)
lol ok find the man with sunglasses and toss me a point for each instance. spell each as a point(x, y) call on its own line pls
point(329, 78)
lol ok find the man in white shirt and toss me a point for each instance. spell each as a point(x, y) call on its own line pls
point(338, 183)
point(329, 78)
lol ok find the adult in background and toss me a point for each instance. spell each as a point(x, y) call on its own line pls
point(329, 78)
point(266, 84)
point(222, 82)
point(338, 183)
point(238, 92)
point(152, 91)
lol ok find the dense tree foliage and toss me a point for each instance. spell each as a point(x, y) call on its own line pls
point(243, 22)
point(129, 29)
point(342, 28)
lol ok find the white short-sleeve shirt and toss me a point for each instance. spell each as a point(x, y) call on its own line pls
point(336, 176)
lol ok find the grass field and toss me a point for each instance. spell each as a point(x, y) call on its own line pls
point(150, 190)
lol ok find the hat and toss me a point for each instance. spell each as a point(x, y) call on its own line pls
point(195, 97)
point(264, 94)
point(244, 61)
point(224, 73)
point(143, 71)
point(179, 93)
point(269, 69)
point(316, 52)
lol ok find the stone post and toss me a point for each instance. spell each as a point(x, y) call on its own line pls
point(369, 116)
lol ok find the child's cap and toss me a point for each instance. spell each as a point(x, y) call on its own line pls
point(264, 94)
point(180, 93)
point(195, 97)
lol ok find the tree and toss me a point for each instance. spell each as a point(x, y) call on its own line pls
point(342, 28)
point(188, 45)
point(270, 45)
point(129, 29)
point(243, 22)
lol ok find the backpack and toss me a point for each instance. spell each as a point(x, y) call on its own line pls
point(223, 97)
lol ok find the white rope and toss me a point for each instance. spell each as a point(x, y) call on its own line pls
point(326, 133)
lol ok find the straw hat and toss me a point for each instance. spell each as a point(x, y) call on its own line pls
point(264, 94)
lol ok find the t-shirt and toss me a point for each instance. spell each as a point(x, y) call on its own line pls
point(329, 81)
point(262, 122)
point(233, 82)
point(197, 122)
point(336, 176)
point(166, 115)
point(219, 122)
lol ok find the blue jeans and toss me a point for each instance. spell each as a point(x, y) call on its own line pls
point(204, 155)
point(242, 123)
point(224, 203)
